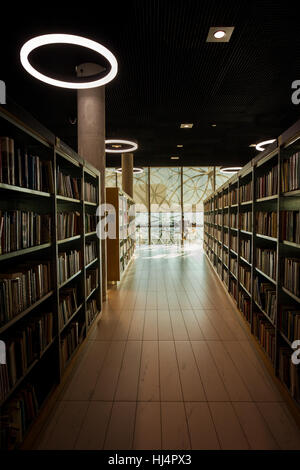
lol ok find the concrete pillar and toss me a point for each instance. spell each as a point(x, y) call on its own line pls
point(127, 173)
point(91, 137)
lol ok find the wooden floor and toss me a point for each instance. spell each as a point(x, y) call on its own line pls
point(169, 366)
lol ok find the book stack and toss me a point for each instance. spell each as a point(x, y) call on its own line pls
point(69, 343)
point(292, 275)
point(267, 184)
point(233, 265)
point(233, 220)
point(90, 251)
point(90, 223)
point(233, 196)
point(67, 305)
point(21, 288)
point(244, 304)
point(289, 323)
point(24, 348)
point(92, 279)
point(68, 264)
point(234, 244)
point(92, 310)
point(289, 372)
point(245, 277)
point(245, 249)
point(90, 192)
point(265, 334)
point(265, 296)
point(22, 169)
point(266, 261)
point(266, 223)
point(290, 226)
point(290, 173)
point(23, 229)
point(67, 185)
point(17, 416)
point(245, 221)
point(246, 192)
point(68, 224)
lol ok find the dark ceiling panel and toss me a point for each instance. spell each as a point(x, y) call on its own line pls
point(168, 74)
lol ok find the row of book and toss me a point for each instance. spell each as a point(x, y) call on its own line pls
point(266, 223)
point(245, 277)
point(233, 288)
point(289, 372)
point(92, 280)
point(26, 345)
point(245, 249)
point(267, 184)
point(68, 224)
point(290, 226)
point(68, 304)
point(225, 257)
point(71, 340)
point(90, 223)
point(90, 192)
point(22, 287)
point(233, 265)
point(19, 168)
point(289, 323)
point(292, 275)
point(266, 261)
point(68, 264)
point(265, 333)
point(246, 192)
point(92, 310)
point(91, 251)
point(290, 173)
point(244, 305)
point(233, 194)
point(234, 242)
point(67, 185)
point(264, 294)
point(17, 416)
point(225, 199)
point(23, 229)
point(246, 221)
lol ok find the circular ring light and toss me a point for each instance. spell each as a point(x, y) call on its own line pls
point(115, 142)
point(266, 142)
point(136, 171)
point(230, 169)
point(47, 39)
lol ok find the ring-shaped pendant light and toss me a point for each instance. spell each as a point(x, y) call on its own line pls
point(47, 39)
point(136, 171)
point(266, 142)
point(228, 169)
point(119, 142)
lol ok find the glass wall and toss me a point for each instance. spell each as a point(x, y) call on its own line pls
point(169, 201)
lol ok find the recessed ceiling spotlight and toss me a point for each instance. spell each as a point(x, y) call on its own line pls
point(230, 169)
point(214, 125)
point(47, 39)
point(186, 126)
point(174, 158)
point(179, 145)
point(120, 143)
point(266, 142)
point(219, 33)
point(135, 170)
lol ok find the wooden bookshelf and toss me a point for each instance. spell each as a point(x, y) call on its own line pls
point(121, 249)
point(274, 162)
point(46, 370)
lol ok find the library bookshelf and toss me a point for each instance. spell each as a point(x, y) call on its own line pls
point(50, 267)
point(252, 240)
point(120, 250)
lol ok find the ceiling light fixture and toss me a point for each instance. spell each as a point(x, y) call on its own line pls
point(214, 125)
point(120, 142)
point(174, 158)
point(219, 34)
point(136, 171)
point(47, 39)
point(230, 169)
point(266, 142)
point(252, 145)
point(186, 126)
point(179, 145)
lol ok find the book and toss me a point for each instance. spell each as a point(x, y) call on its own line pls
point(264, 294)
point(291, 279)
point(290, 173)
point(266, 223)
point(267, 184)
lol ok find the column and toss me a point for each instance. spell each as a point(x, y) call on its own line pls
point(91, 137)
point(127, 173)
